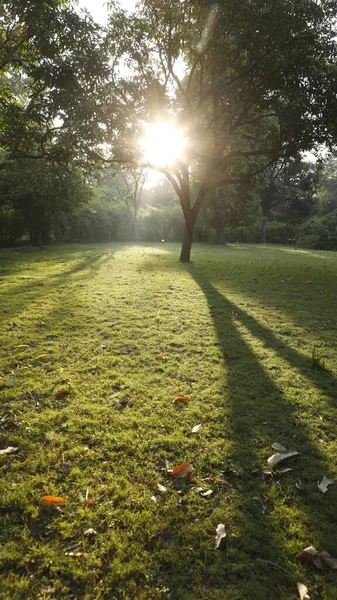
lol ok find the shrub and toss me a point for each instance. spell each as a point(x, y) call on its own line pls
point(319, 233)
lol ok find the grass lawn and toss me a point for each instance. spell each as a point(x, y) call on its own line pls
point(95, 341)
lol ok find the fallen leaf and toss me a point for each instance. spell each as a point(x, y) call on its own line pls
point(8, 450)
point(263, 501)
point(39, 283)
point(105, 464)
point(76, 552)
point(220, 534)
point(279, 447)
point(162, 488)
point(207, 493)
point(180, 398)
point(103, 346)
point(89, 502)
point(181, 471)
point(53, 501)
point(303, 591)
point(196, 428)
point(320, 559)
point(196, 489)
point(4, 418)
point(275, 459)
point(157, 498)
point(86, 451)
point(323, 485)
point(160, 355)
point(90, 531)
point(298, 484)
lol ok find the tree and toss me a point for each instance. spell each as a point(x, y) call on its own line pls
point(128, 186)
point(38, 191)
point(53, 68)
point(327, 187)
point(259, 83)
point(289, 190)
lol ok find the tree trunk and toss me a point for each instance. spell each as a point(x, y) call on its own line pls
point(185, 253)
point(219, 232)
point(263, 230)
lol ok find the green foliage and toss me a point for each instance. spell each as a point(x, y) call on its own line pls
point(93, 224)
point(319, 232)
point(161, 223)
point(327, 190)
point(35, 191)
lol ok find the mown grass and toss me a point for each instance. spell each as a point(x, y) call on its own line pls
point(235, 330)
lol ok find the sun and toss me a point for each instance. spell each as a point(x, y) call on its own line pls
point(163, 144)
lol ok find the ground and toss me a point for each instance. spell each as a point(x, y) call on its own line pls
point(96, 341)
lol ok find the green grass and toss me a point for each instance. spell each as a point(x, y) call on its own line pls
point(236, 331)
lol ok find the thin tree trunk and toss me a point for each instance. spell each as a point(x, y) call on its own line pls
point(185, 253)
point(263, 230)
point(219, 232)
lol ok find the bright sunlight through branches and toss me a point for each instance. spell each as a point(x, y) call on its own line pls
point(163, 144)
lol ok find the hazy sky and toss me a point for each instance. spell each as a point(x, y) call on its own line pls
point(98, 8)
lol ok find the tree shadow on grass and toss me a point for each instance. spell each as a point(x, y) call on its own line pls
point(260, 414)
point(20, 295)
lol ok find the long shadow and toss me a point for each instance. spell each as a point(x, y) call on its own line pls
point(273, 520)
point(21, 295)
point(260, 411)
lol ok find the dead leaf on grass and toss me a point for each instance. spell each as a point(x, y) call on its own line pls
point(320, 559)
point(181, 471)
point(157, 498)
point(161, 488)
point(8, 450)
point(196, 428)
point(275, 459)
point(324, 484)
point(86, 451)
point(160, 355)
point(207, 493)
point(53, 501)
point(180, 398)
point(279, 447)
point(303, 591)
point(196, 489)
point(90, 531)
point(298, 484)
point(220, 534)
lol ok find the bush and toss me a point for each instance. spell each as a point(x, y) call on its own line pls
point(280, 233)
point(12, 226)
point(319, 233)
point(161, 223)
point(93, 225)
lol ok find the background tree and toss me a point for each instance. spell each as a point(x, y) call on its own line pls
point(33, 193)
point(327, 186)
point(289, 193)
point(258, 85)
point(128, 186)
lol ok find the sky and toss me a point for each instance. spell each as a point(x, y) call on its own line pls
point(98, 8)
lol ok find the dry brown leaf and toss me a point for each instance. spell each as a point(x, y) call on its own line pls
point(324, 484)
point(275, 459)
point(279, 447)
point(207, 493)
point(181, 471)
point(53, 501)
point(196, 428)
point(196, 489)
point(320, 559)
point(86, 451)
point(303, 591)
point(8, 450)
point(180, 398)
point(220, 534)
point(90, 531)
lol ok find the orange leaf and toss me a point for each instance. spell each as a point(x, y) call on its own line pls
point(53, 500)
point(39, 283)
point(180, 398)
point(160, 355)
point(181, 471)
point(89, 502)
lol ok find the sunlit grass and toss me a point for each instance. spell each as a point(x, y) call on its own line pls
point(235, 331)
